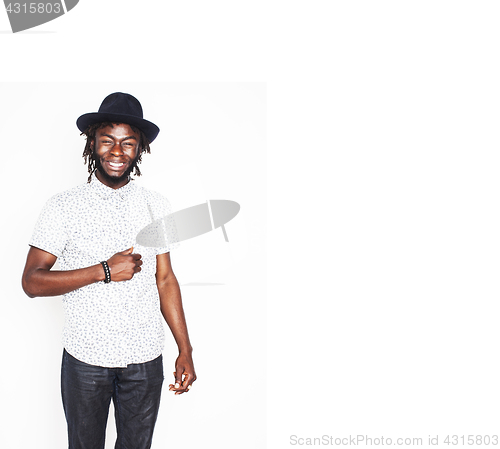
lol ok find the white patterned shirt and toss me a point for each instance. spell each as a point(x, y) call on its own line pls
point(114, 324)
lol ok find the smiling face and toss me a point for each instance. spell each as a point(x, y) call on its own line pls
point(115, 153)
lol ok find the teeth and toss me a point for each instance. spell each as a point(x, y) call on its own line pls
point(113, 164)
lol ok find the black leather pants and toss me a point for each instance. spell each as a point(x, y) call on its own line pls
point(87, 391)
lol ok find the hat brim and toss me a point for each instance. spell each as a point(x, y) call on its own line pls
point(148, 128)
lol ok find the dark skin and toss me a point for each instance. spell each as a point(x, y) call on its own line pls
point(116, 147)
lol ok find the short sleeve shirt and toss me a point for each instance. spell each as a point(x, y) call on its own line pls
point(119, 323)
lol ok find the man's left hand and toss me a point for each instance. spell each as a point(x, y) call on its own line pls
point(184, 374)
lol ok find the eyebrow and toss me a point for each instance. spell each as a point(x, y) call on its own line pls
point(113, 137)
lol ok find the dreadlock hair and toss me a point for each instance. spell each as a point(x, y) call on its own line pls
point(88, 152)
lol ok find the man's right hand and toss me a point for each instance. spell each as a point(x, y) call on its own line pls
point(39, 280)
point(124, 265)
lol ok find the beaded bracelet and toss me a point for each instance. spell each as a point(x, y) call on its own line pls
point(106, 272)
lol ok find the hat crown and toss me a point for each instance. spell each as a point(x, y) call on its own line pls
point(121, 103)
point(120, 108)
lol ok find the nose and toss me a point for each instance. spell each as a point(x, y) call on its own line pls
point(117, 149)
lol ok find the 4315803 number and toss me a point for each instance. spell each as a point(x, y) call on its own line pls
point(33, 8)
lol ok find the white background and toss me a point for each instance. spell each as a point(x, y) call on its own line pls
point(383, 222)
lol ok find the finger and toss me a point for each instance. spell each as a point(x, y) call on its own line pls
point(178, 381)
point(182, 383)
point(128, 251)
point(186, 383)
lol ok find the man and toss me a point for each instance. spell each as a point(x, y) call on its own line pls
point(114, 289)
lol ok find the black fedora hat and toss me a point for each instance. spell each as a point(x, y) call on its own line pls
point(120, 108)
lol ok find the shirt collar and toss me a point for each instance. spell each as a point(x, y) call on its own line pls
point(106, 192)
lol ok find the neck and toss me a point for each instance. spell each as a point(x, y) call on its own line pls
point(109, 181)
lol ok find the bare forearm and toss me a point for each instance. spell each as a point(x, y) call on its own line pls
point(38, 280)
point(173, 312)
point(42, 282)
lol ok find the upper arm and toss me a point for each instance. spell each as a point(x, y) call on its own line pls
point(37, 259)
point(163, 268)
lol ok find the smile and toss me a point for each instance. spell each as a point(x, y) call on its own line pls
point(116, 164)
